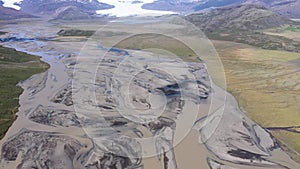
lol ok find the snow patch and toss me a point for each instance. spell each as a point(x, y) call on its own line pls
point(11, 4)
point(122, 8)
point(125, 8)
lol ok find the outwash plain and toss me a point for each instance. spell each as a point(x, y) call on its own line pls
point(113, 100)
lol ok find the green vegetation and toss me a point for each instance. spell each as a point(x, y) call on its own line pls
point(14, 67)
point(266, 84)
point(2, 33)
point(258, 39)
point(76, 32)
point(154, 42)
point(293, 28)
point(289, 32)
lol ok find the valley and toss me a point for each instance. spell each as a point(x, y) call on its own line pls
point(64, 116)
point(168, 84)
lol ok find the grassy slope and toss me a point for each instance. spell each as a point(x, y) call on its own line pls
point(152, 42)
point(290, 32)
point(267, 85)
point(14, 67)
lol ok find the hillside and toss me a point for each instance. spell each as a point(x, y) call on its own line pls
point(72, 13)
point(63, 9)
point(10, 13)
point(217, 3)
point(244, 24)
point(50, 7)
point(238, 17)
point(188, 6)
point(173, 5)
point(287, 8)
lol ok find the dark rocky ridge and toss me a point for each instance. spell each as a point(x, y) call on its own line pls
point(73, 13)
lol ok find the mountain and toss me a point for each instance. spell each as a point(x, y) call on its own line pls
point(288, 8)
point(84, 9)
point(238, 17)
point(53, 7)
point(217, 3)
point(244, 24)
point(189, 6)
point(10, 13)
point(174, 5)
point(72, 13)
point(59, 9)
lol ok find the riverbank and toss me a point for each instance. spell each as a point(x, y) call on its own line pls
point(15, 67)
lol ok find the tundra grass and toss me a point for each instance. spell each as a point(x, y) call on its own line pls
point(153, 41)
point(266, 84)
point(293, 28)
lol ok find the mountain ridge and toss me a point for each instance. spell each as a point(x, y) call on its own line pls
point(287, 8)
point(238, 17)
point(11, 13)
point(59, 9)
point(245, 23)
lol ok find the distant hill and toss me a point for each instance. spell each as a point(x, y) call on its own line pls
point(217, 3)
point(287, 8)
point(173, 5)
point(63, 9)
point(189, 6)
point(10, 13)
point(44, 7)
point(238, 17)
point(243, 23)
point(72, 13)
